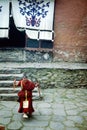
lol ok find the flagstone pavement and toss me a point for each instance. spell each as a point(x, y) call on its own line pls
point(59, 109)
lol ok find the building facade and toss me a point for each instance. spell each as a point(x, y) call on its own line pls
point(70, 37)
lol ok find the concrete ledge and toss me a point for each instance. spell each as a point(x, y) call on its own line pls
point(58, 65)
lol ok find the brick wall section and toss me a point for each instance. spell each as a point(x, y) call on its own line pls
point(70, 26)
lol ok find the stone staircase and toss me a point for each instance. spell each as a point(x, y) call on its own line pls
point(7, 76)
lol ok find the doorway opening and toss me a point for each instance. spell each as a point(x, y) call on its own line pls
point(16, 38)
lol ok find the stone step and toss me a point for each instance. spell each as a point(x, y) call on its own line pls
point(7, 89)
point(9, 71)
point(11, 95)
point(6, 83)
point(10, 76)
point(8, 97)
point(14, 97)
point(7, 76)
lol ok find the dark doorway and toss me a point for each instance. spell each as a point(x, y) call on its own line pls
point(16, 37)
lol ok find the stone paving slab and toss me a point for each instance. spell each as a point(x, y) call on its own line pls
point(59, 109)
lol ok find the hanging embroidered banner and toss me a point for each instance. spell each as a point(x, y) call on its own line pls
point(36, 16)
point(19, 19)
point(4, 18)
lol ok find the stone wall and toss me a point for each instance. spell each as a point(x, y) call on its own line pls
point(23, 55)
point(70, 26)
point(55, 78)
point(12, 55)
point(38, 67)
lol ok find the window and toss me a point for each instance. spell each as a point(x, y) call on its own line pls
point(39, 44)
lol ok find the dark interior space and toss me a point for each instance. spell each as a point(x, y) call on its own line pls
point(16, 37)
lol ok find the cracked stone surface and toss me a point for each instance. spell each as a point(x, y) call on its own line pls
point(59, 109)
